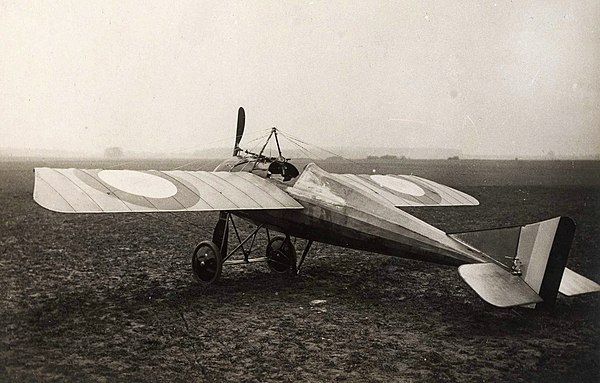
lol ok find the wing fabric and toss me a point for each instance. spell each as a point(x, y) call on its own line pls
point(115, 191)
point(401, 190)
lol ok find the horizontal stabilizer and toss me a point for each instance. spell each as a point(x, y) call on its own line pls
point(575, 284)
point(497, 286)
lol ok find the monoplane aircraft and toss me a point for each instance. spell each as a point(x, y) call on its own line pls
point(515, 266)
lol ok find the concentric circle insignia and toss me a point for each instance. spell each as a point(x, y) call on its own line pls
point(399, 185)
point(139, 183)
point(150, 189)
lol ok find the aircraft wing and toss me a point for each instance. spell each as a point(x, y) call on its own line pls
point(115, 191)
point(402, 190)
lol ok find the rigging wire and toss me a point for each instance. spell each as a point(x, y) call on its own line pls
point(204, 159)
point(257, 144)
point(204, 144)
point(290, 137)
point(302, 148)
point(257, 140)
point(173, 152)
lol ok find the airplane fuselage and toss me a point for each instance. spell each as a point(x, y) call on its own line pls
point(338, 214)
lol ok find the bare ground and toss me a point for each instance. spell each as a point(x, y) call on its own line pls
point(111, 298)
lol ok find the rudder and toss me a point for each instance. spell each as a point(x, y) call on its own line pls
point(536, 253)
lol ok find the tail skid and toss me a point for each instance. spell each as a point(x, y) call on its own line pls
point(529, 267)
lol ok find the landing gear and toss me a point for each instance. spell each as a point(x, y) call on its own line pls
point(281, 255)
point(210, 256)
point(206, 262)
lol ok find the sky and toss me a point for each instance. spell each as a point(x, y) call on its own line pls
point(488, 78)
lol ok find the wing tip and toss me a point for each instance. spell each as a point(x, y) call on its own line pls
point(47, 206)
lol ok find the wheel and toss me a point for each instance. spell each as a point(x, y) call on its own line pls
point(281, 255)
point(206, 262)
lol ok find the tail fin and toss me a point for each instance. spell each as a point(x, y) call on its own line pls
point(535, 254)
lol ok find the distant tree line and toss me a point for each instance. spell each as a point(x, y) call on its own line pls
point(387, 157)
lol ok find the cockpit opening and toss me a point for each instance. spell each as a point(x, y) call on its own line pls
point(283, 169)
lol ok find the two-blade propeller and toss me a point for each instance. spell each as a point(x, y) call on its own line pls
point(241, 121)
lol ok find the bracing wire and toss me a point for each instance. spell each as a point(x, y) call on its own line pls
point(317, 147)
point(297, 141)
point(257, 144)
point(204, 159)
point(302, 148)
point(204, 144)
point(257, 140)
point(174, 152)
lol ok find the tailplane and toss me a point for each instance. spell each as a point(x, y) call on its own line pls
point(527, 264)
point(574, 284)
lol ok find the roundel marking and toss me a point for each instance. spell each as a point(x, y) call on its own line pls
point(185, 195)
point(138, 183)
point(399, 185)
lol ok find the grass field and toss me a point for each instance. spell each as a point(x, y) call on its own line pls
point(111, 298)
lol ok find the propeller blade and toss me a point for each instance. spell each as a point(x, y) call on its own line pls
point(241, 121)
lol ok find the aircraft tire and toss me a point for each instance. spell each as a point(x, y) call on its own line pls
point(281, 255)
point(206, 262)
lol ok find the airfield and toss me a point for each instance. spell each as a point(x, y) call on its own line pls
point(111, 297)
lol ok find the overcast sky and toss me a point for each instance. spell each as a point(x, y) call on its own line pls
point(492, 77)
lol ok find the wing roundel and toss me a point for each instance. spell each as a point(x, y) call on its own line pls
point(114, 191)
point(405, 190)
